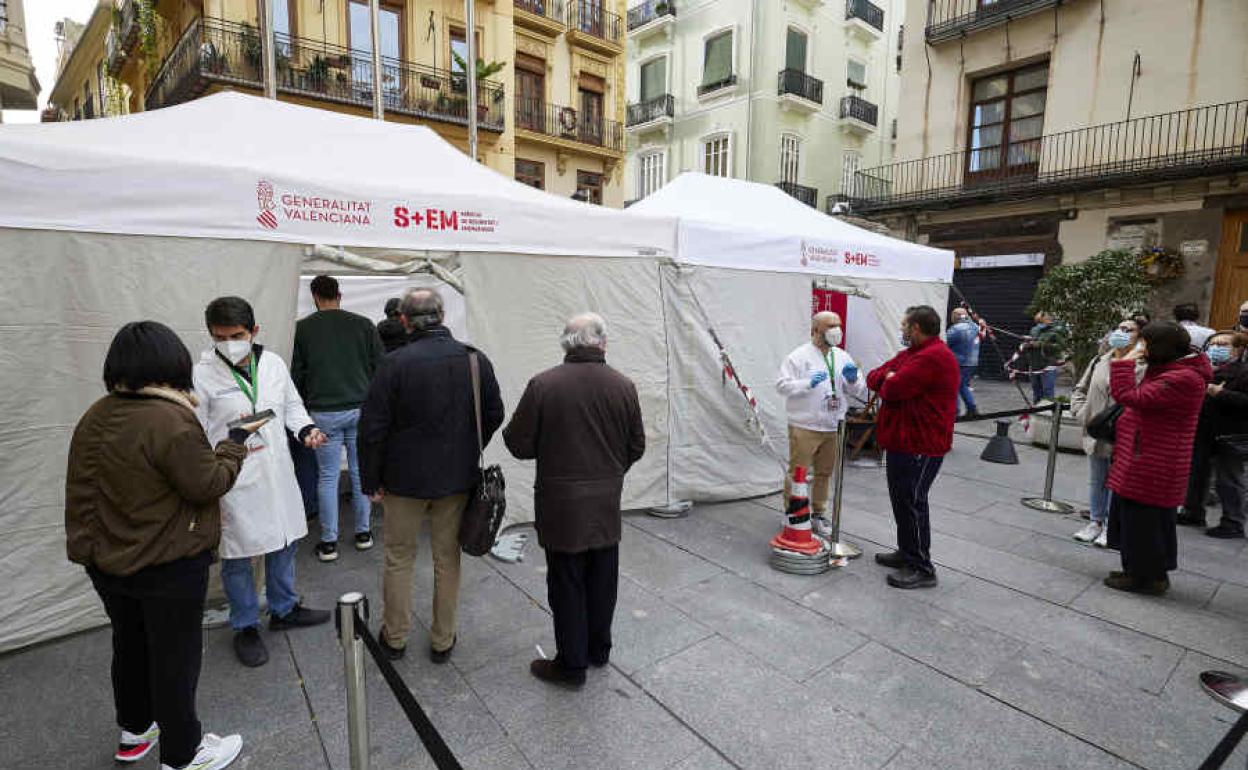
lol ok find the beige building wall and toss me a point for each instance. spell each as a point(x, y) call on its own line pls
point(19, 89)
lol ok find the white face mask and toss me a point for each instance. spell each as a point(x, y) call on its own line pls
point(234, 350)
point(834, 336)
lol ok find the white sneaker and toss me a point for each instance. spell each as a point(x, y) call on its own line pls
point(215, 752)
point(133, 747)
point(1090, 532)
point(1102, 540)
point(821, 526)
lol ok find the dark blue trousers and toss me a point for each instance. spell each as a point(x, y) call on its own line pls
point(909, 479)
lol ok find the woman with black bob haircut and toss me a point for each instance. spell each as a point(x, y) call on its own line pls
point(1153, 453)
point(141, 515)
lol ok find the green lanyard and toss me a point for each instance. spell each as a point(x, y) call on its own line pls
point(252, 390)
point(828, 360)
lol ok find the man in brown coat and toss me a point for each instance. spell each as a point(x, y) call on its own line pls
point(581, 421)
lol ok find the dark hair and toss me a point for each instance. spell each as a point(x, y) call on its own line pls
point(147, 353)
point(392, 307)
point(325, 287)
point(925, 317)
point(1186, 312)
point(1167, 341)
point(230, 311)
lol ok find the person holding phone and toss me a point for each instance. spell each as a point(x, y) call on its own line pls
point(142, 515)
point(263, 515)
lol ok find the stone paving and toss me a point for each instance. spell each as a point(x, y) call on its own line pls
point(1020, 658)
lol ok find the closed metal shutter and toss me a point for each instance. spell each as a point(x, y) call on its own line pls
point(1000, 295)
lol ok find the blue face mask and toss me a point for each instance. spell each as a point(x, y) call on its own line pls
point(1118, 339)
point(1218, 354)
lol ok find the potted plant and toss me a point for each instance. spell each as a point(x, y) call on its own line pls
point(249, 42)
point(662, 8)
point(317, 72)
point(484, 72)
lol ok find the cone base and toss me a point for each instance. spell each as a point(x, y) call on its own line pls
point(787, 541)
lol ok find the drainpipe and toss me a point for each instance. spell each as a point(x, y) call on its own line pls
point(749, 92)
point(267, 43)
point(374, 14)
point(471, 36)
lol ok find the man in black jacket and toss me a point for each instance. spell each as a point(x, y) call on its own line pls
point(582, 422)
point(419, 455)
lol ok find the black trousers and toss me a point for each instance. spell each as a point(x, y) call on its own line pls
point(156, 615)
point(582, 590)
point(1203, 452)
point(910, 478)
point(1145, 536)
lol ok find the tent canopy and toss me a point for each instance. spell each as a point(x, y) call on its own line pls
point(242, 167)
point(750, 226)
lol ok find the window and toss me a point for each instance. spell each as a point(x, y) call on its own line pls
point(795, 50)
point(715, 156)
point(653, 79)
point(590, 90)
point(650, 176)
point(390, 31)
point(531, 172)
point(901, 41)
point(459, 50)
point(1006, 121)
point(4, 14)
point(856, 74)
point(530, 92)
point(101, 87)
point(790, 158)
point(88, 104)
point(717, 60)
point(850, 163)
point(589, 186)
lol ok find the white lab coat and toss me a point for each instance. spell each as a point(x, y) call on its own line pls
point(264, 511)
point(809, 407)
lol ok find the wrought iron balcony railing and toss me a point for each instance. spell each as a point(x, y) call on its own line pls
point(568, 123)
point(1154, 148)
point(216, 51)
point(707, 88)
point(807, 195)
point(589, 17)
point(114, 56)
point(650, 110)
point(867, 11)
point(799, 83)
point(550, 9)
point(126, 22)
point(859, 109)
point(645, 12)
point(949, 19)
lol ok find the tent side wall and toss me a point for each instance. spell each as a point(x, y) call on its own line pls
point(68, 294)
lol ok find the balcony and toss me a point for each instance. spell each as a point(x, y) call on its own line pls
point(807, 195)
point(114, 55)
point(126, 24)
point(1152, 149)
point(715, 87)
point(593, 27)
point(568, 128)
point(542, 16)
point(652, 18)
point(864, 18)
point(651, 114)
point(858, 116)
point(213, 52)
point(800, 92)
point(951, 19)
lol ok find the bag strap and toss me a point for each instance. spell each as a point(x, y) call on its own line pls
point(474, 368)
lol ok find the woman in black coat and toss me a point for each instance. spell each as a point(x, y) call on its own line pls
point(1223, 417)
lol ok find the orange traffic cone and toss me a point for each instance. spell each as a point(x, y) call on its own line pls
point(796, 535)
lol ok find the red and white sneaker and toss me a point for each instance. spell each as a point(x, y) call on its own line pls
point(132, 748)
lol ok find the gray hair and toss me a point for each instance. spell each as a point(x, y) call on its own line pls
point(584, 330)
point(421, 302)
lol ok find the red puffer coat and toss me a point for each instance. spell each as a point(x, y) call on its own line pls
point(1153, 447)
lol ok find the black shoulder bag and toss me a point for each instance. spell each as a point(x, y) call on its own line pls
point(1104, 424)
point(487, 502)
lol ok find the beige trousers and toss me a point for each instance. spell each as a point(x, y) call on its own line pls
point(817, 451)
point(403, 519)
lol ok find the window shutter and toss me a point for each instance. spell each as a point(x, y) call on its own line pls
point(653, 79)
point(795, 51)
point(717, 64)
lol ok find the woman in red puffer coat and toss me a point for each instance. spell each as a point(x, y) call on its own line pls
point(1153, 453)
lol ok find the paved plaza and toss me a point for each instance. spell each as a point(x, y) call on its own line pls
point(1020, 658)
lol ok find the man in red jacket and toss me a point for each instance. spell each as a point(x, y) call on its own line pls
point(918, 390)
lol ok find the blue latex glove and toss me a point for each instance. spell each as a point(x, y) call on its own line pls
point(850, 372)
point(817, 378)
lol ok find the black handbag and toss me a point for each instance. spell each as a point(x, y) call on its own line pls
point(1104, 425)
point(487, 502)
point(1235, 443)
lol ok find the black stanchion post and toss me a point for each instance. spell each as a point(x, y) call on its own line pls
point(1047, 503)
point(353, 663)
point(1232, 692)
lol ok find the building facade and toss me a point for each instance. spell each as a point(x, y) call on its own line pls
point(19, 90)
point(84, 87)
point(164, 52)
point(1045, 131)
point(798, 93)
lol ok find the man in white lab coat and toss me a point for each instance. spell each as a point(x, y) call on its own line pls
point(815, 380)
point(263, 514)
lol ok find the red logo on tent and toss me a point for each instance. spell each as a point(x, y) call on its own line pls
point(264, 202)
point(267, 220)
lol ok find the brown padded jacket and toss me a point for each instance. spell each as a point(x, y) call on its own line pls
point(143, 483)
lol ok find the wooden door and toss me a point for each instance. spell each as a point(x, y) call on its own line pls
point(1230, 285)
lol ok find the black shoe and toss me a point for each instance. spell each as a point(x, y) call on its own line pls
point(598, 661)
point(363, 541)
point(911, 578)
point(892, 559)
point(298, 617)
point(442, 656)
point(554, 673)
point(391, 653)
point(327, 551)
point(971, 414)
point(249, 647)
point(1225, 531)
point(1121, 581)
point(1190, 519)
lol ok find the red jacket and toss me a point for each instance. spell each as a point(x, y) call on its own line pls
point(918, 404)
point(1154, 434)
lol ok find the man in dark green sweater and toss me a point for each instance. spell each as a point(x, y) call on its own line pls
point(336, 353)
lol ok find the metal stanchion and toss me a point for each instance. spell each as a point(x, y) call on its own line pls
point(1232, 692)
point(1047, 503)
point(840, 549)
point(353, 660)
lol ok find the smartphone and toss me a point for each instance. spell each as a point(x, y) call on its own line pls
point(265, 416)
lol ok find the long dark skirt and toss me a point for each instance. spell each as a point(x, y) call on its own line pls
point(1145, 536)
